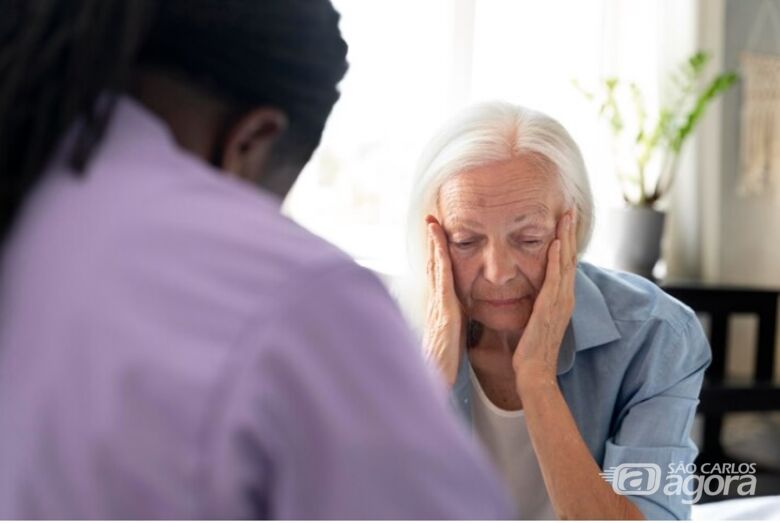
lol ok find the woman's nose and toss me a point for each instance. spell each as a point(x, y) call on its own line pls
point(498, 267)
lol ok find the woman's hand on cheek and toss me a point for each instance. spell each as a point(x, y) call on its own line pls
point(445, 324)
point(536, 357)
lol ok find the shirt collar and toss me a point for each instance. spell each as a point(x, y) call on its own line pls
point(591, 323)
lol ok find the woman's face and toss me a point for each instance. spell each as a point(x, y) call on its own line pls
point(500, 220)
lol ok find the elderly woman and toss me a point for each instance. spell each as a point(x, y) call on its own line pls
point(562, 369)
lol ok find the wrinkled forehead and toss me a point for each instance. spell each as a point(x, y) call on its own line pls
point(520, 187)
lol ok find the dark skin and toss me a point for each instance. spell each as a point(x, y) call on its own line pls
point(202, 123)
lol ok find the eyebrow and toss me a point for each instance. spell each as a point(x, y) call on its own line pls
point(532, 216)
point(469, 223)
point(529, 216)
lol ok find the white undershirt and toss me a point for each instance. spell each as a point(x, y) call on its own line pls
point(505, 435)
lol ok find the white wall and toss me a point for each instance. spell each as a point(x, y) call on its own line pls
point(750, 226)
point(740, 235)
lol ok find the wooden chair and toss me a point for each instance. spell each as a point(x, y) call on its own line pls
point(720, 394)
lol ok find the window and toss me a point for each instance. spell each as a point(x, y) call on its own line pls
point(413, 63)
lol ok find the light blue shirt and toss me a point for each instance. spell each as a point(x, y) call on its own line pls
point(630, 367)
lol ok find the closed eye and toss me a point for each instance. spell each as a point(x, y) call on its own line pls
point(464, 244)
point(530, 243)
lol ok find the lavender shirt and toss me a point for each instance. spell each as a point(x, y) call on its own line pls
point(172, 347)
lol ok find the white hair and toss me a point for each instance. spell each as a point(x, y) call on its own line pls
point(481, 135)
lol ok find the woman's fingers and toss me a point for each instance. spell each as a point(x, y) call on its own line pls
point(561, 261)
point(548, 294)
point(553, 272)
point(572, 251)
point(567, 233)
point(573, 236)
point(563, 236)
point(441, 267)
point(444, 330)
point(568, 261)
point(430, 265)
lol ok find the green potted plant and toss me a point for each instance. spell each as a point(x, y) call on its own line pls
point(648, 149)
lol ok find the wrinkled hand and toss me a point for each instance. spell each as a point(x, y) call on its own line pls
point(445, 324)
point(536, 355)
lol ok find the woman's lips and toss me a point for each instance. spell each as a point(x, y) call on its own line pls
point(503, 303)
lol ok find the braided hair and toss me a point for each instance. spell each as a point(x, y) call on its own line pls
point(63, 61)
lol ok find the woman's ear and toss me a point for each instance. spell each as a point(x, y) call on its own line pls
point(249, 142)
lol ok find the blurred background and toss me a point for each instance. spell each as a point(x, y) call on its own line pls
point(414, 63)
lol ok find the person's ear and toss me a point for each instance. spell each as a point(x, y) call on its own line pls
point(250, 141)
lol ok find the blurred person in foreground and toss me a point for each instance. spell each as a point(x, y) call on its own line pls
point(562, 369)
point(170, 346)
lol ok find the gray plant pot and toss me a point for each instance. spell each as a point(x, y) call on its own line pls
point(638, 232)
